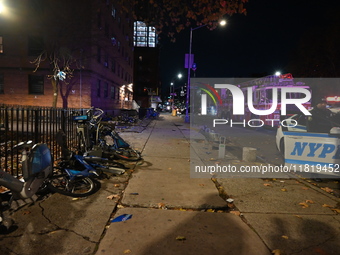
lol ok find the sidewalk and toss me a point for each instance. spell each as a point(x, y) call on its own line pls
point(169, 214)
point(283, 215)
point(173, 213)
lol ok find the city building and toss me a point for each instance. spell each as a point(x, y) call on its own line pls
point(84, 47)
point(146, 66)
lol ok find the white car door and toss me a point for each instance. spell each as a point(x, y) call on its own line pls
point(313, 155)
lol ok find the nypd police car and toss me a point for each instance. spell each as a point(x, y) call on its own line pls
point(314, 154)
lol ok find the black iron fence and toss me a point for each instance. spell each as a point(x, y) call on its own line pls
point(39, 124)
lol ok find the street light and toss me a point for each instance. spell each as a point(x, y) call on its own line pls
point(1, 7)
point(172, 90)
point(187, 118)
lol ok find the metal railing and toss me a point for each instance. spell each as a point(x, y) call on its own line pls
point(39, 124)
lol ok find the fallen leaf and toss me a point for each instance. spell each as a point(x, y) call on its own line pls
point(336, 210)
point(276, 252)
point(161, 205)
point(26, 212)
point(180, 238)
point(285, 237)
point(113, 196)
point(210, 210)
point(327, 189)
point(298, 216)
point(127, 251)
point(304, 205)
point(266, 184)
point(284, 190)
point(305, 188)
point(310, 201)
point(237, 213)
point(116, 185)
point(325, 205)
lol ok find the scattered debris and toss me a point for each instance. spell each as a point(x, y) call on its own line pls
point(123, 217)
point(180, 238)
point(113, 196)
point(237, 213)
point(304, 205)
point(276, 252)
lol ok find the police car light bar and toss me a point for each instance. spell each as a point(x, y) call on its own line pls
point(333, 99)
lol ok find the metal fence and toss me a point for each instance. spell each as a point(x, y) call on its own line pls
point(39, 124)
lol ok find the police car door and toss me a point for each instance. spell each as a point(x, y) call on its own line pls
point(313, 155)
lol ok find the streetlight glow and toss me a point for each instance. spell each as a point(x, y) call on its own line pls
point(223, 22)
point(1, 7)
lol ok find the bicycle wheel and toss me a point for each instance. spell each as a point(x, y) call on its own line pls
point(127, 154)
point(79, 187)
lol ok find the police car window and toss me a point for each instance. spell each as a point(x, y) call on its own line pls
point(300, 119)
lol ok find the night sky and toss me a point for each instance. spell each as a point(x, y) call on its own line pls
point(262, 42)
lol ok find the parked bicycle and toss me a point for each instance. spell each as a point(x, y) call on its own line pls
point(36, 170)
point(79, 171)
point(98, 139)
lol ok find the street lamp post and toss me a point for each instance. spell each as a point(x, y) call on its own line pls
point(187, 117)
point(172, 90)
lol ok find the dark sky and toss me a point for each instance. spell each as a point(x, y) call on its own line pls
point(260, 42)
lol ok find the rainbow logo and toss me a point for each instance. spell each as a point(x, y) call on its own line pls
point(213, 94)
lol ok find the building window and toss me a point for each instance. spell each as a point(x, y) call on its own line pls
point(118, 45)
point(144, 36)
point(1, 45)
point(106, 30)
point(36, 84)
point(106, 61)
point(1, 83)
point(113, 13)
point(113, 65)
point(35, 45)
point(112, 92)
point(98, 88)
point(118, 74)
point(99, 20)
point(106, 88)
point(99, 56)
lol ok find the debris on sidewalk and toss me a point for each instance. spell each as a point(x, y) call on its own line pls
point(123, 217)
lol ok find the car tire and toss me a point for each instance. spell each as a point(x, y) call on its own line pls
point(282, 147)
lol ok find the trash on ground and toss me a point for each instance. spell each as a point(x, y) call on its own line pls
point(180, 238)
point(122, 217)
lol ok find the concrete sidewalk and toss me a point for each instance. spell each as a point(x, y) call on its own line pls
point(175, 214)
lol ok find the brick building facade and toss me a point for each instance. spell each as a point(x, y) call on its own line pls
point(96, 35)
